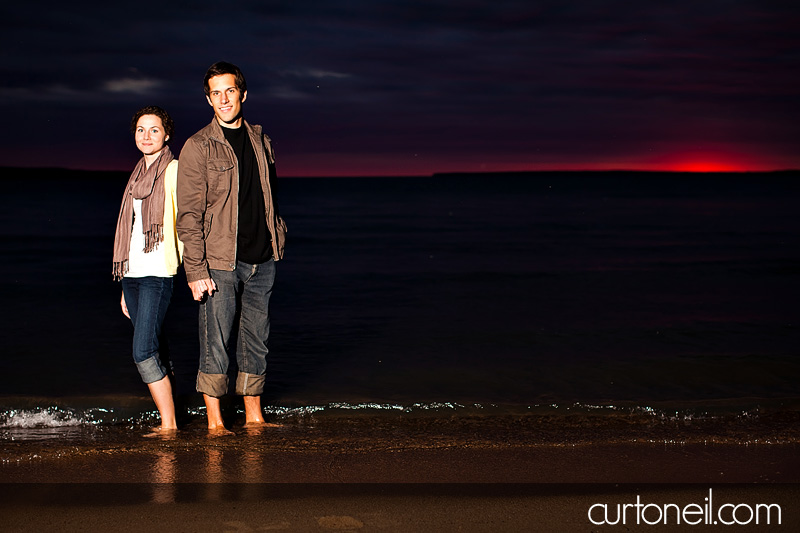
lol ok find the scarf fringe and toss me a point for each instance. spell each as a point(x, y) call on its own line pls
point(152, 237)
point(120, 269)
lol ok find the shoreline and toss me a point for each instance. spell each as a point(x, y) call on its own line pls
point(416, 449)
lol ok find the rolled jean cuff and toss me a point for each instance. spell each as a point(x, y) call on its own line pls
point(151, 370)
point(250, 384)
point(215, 385)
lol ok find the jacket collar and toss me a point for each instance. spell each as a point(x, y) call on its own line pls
point(215, 130)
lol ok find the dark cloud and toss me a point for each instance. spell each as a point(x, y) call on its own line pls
point(414, 86)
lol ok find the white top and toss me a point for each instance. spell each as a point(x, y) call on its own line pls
point(142, 264)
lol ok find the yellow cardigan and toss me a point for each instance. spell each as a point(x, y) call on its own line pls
point(173, 247)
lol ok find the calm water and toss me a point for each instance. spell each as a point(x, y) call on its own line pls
point(512, 293)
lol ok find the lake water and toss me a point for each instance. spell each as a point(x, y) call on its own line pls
point(525, 293)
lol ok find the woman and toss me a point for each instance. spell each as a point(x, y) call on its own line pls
point(147, 253)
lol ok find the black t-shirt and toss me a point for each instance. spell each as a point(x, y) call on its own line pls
point(253, 241)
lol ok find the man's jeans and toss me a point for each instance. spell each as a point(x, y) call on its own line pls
point(242, 294)
point(147, 300)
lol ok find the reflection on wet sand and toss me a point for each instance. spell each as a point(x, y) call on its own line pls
point(214, 475)
point(246, 457)
point(164, 475)
point(214, 469)
point(251, 467)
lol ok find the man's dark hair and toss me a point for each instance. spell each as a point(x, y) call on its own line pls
point(166, 120)
point(223, 67)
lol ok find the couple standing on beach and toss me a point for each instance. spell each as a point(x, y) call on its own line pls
point(216, 210)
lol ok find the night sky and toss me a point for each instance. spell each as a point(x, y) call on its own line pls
point(372, 88)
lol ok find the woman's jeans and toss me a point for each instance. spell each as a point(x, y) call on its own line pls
point(242, 295)
point(147, 300)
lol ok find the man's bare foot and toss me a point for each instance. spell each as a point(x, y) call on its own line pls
point(219, 431)
point(257, 428)
point(262, 424)
point(253, 414)
point(162, 432)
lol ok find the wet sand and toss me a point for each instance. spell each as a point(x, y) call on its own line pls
point(219, 462)
point(288, 480)
point(381, 507)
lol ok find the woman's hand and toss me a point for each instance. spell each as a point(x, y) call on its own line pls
point(124, 307)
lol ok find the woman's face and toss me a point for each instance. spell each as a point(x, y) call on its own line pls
point(149, 134)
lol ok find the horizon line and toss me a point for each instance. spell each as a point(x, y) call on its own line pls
point(449, 172)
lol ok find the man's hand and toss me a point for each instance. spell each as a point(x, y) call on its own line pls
point(124, 307)
point(201, 287)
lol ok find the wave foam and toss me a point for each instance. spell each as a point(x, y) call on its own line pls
point(45, 418)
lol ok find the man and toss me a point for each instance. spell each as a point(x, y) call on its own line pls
point(232, 233)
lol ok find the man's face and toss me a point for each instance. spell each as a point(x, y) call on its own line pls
point(226, 99)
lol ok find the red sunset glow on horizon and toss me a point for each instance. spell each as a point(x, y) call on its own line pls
point(334, 165)
point(388, 164)
point(710, 161)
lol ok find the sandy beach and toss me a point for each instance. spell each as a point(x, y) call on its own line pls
point(294, 479)
point(373, 507)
